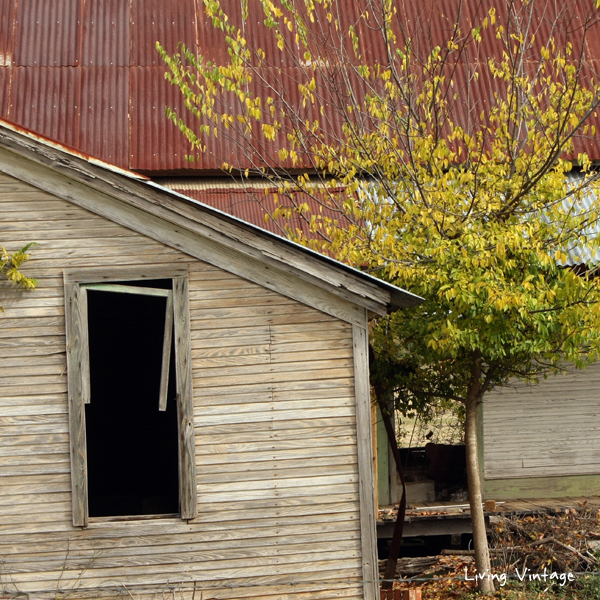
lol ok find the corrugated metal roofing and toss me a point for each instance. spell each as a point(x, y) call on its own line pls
point(86, 72)
point(4, 91)
point(105, 34)
point(7, 25)
point(252, 201)
point(167, 21)
point(155, 143)
point(48, 33)
point(47, 100)
point(104, 120)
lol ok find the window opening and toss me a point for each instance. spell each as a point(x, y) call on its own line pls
point(131, 409)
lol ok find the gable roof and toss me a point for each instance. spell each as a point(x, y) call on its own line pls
point(196, 228)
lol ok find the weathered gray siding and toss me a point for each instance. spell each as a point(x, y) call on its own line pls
point(275, 432)
point(547, 430)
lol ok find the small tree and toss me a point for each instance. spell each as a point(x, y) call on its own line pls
point(451, 144)
point(10, 265)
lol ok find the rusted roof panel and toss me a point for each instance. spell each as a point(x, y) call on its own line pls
point(115, 36)
point(47, 100)
point(104, 130)
point(105, 33)
point(166, 21)
point(7, 23)
point(48, 33)
point(254, 202)
point(5, 75)
point(156, 143)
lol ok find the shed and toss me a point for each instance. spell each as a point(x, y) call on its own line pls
point(184, 403)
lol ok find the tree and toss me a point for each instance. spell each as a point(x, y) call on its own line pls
point(10, 265)
point(435, 152)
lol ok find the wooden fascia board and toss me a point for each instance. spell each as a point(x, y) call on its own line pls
point(206, 248)
point(168, 206)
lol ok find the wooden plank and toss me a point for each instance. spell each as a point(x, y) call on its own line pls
point(196, 553)
point(125, 273)
point(305, 479)
point(102, 230)
point(84, 347)
point(166, 353)
point(160, 544)
point(268, 570)
point(74, 326)
point(283, 415)
point(211, 559)
point(277, 454)
point(280, 465)
point(274, 445)
point(185, 399)
point(258, 405)
point(46, 266)
point(274, 375)
point(306, 471)
point(292, 433)
point(365, 461)
point(127, 289)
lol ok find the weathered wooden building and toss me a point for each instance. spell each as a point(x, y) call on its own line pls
point(184, 399)
point(541, 440)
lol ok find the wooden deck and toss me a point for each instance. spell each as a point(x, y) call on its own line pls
point(446, 518)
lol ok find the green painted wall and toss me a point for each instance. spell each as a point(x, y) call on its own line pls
point(383, 463)
point(542, 487)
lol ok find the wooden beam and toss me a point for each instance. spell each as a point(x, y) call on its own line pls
point(366, 487)
point(188, 496)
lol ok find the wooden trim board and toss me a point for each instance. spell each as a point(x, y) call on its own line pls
point(366, 487)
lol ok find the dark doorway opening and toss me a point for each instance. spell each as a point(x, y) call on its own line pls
point(132, 447)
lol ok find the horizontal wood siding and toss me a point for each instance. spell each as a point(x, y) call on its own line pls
point(546, 430)
point(275, 433)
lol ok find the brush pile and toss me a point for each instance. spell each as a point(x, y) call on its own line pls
point(562, 541)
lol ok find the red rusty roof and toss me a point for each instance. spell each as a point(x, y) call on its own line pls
point(254, 201)
point(86, 72)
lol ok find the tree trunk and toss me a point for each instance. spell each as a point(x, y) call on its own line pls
point(482, 554)
point(392, 561)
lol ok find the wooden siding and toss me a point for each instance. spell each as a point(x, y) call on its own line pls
point(275, 433)
point(546, 430)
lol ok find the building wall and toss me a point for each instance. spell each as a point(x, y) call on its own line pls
point(542, 440)
point(274, 410)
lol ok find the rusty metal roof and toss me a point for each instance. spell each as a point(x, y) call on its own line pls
point(254, 201)
point(86, 72)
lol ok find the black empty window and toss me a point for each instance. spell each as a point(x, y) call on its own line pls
point(132, 446)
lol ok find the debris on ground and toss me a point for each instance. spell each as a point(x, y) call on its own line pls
point(562, 542)
point(565, 541)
